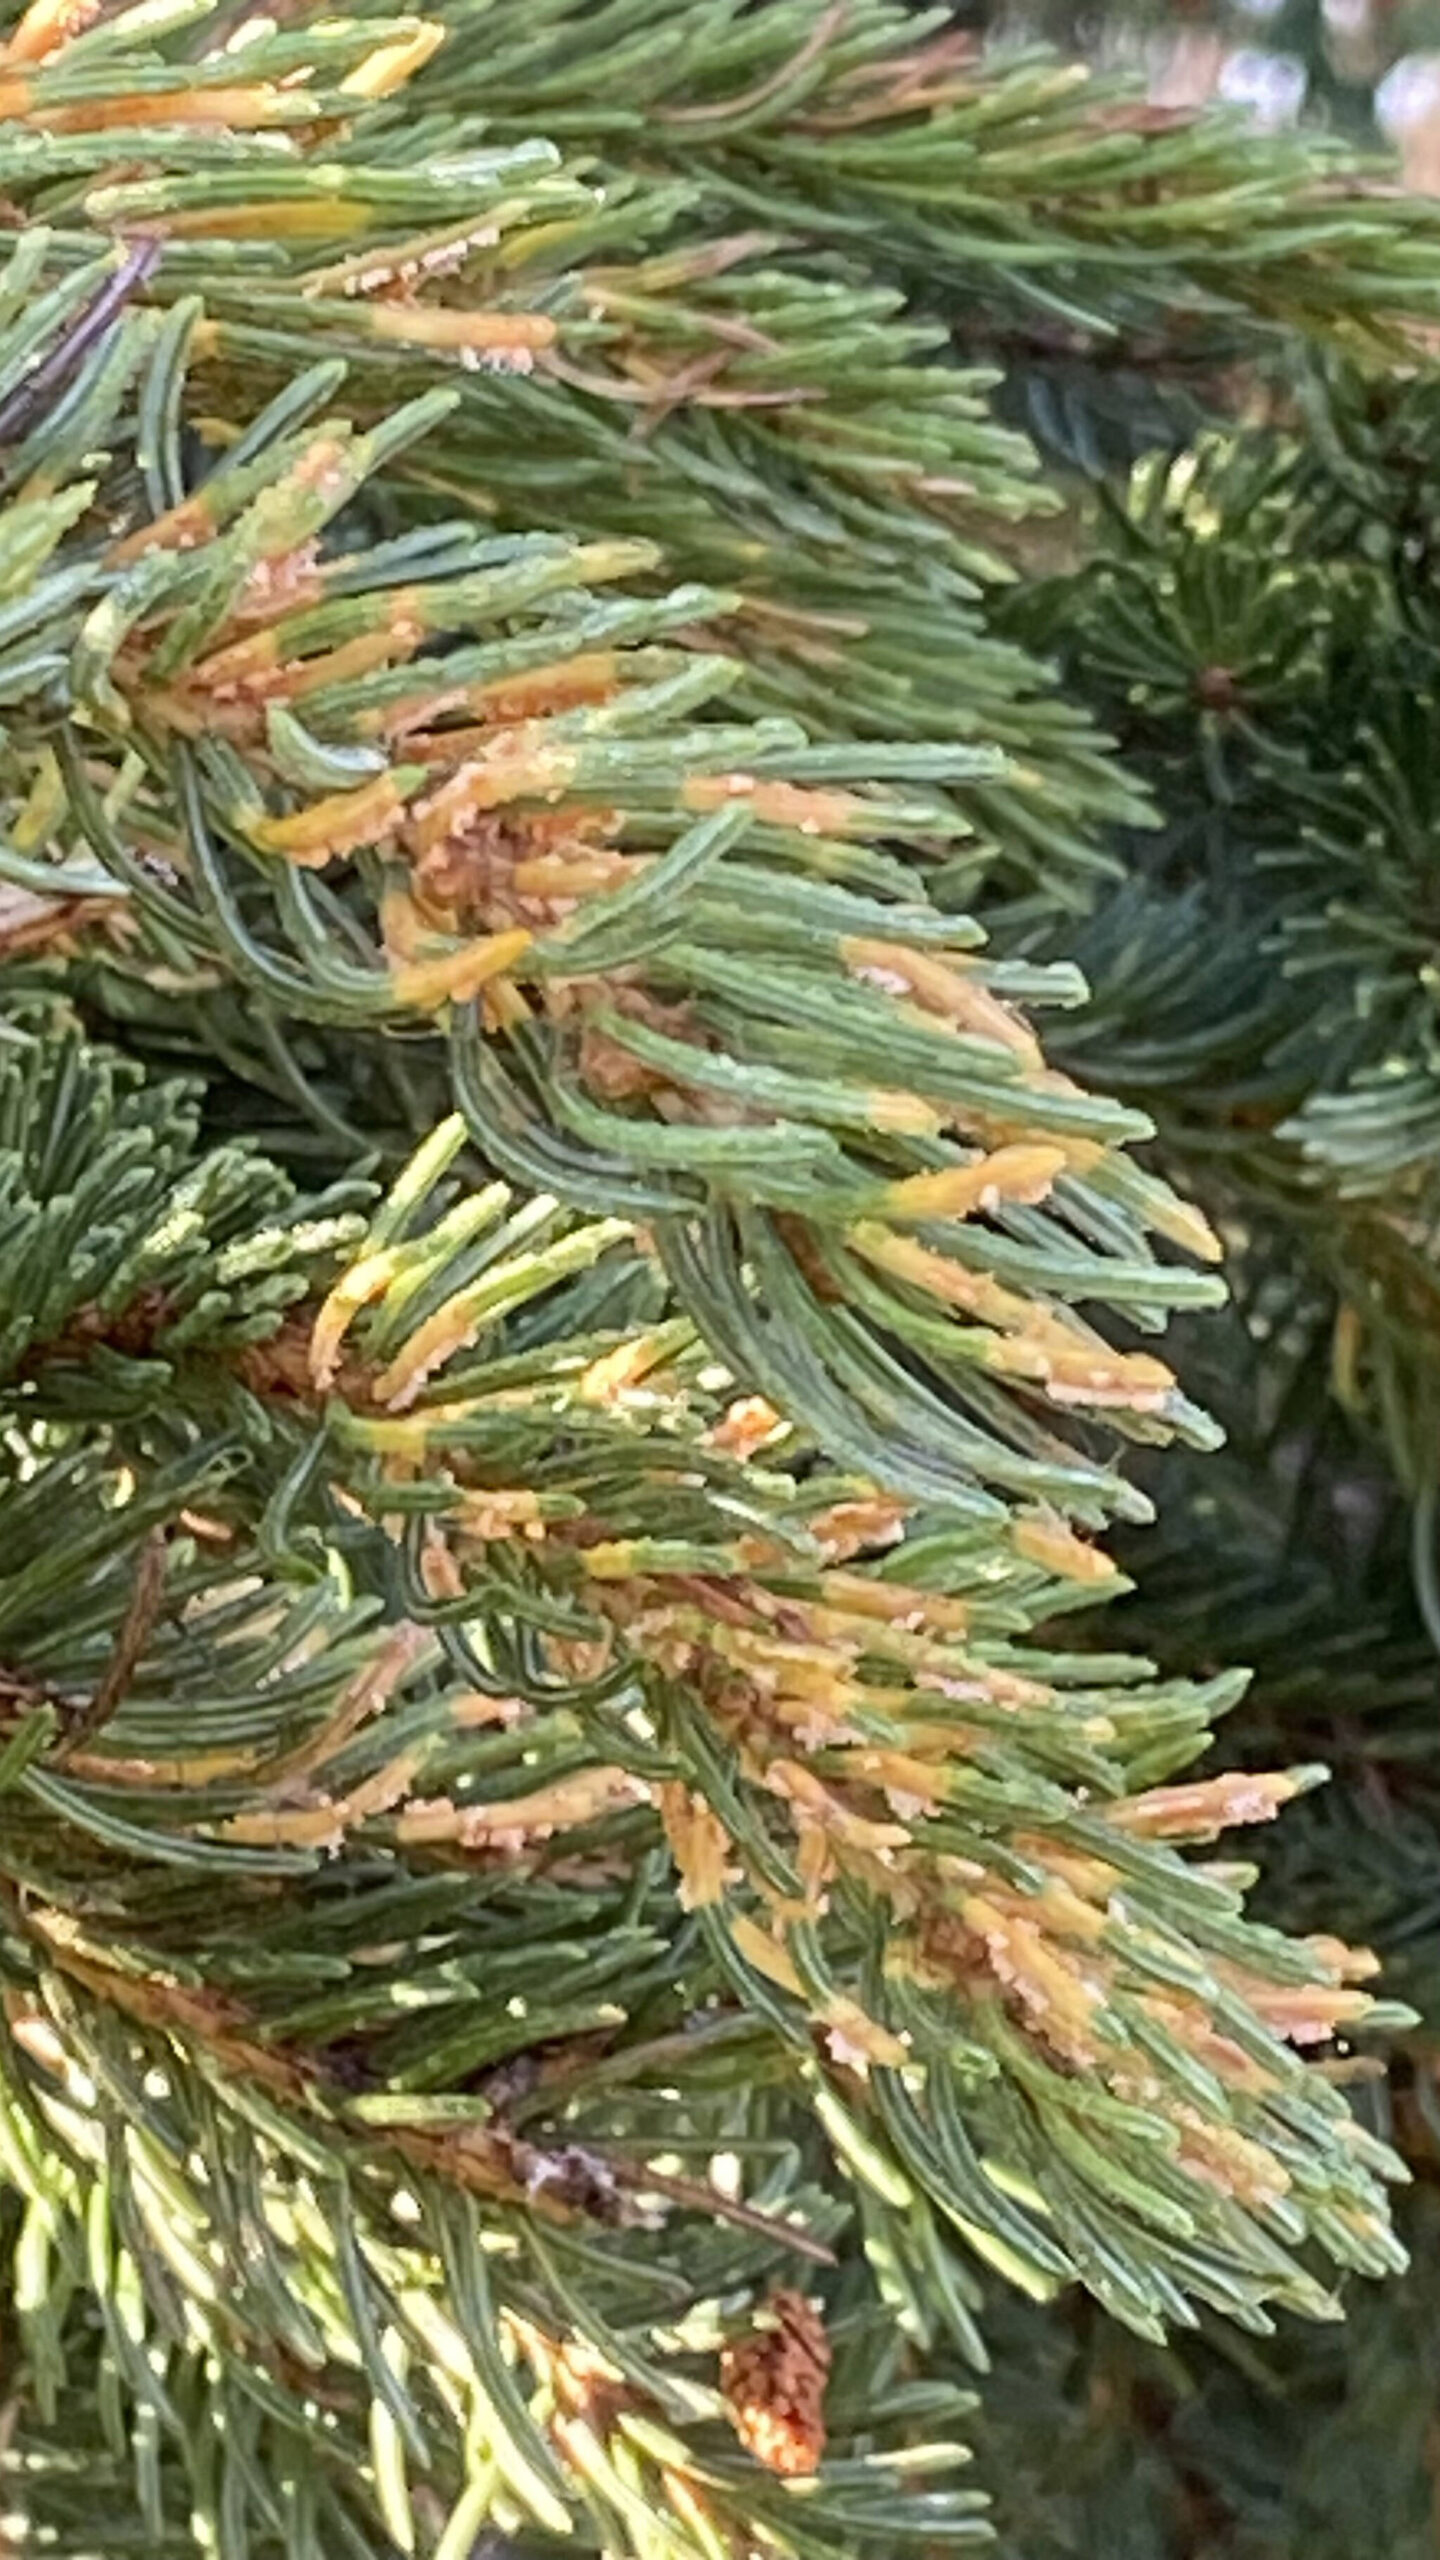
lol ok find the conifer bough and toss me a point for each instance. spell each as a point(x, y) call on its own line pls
point(558, 1905)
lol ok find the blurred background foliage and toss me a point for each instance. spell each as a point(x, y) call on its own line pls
point(1249, 608)
point(1363, 66)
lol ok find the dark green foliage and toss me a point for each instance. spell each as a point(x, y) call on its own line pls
point(1259, 629)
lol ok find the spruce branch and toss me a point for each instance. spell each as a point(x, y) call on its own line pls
point(563, 1889)
point(486, 1743)
point(571, 850)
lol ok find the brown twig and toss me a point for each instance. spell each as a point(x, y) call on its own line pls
point(136, 1629)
